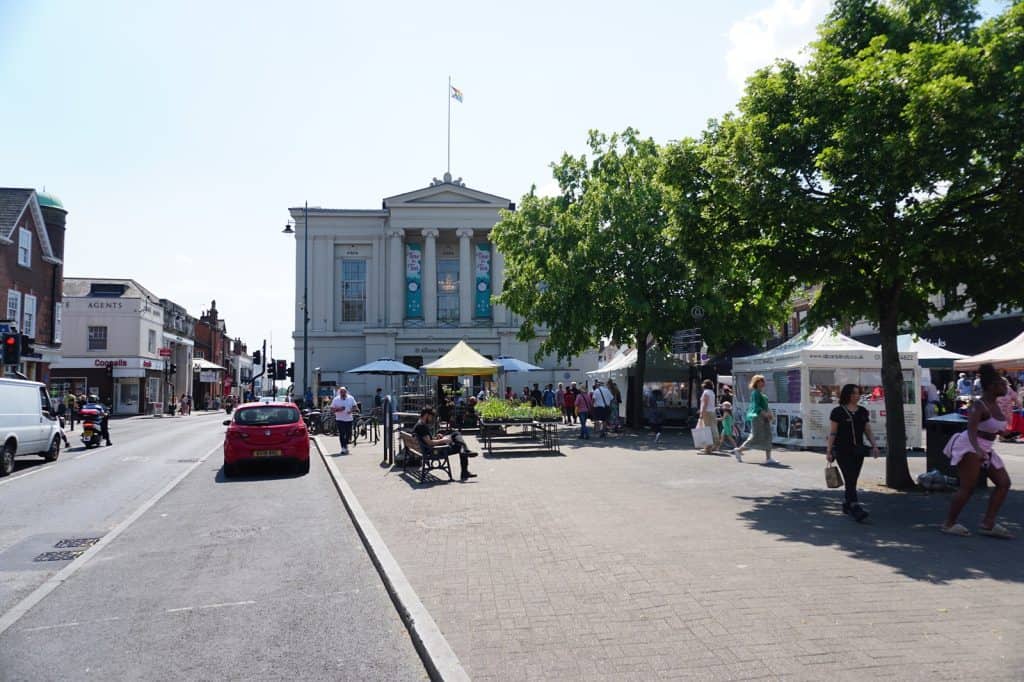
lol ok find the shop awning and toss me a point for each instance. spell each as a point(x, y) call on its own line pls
point(1007, 356)
point(461, 361)
point(202, 364)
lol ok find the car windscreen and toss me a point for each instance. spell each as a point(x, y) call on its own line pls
point(266, 416)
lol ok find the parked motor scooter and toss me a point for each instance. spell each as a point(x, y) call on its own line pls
point(92, 427)
point(312, 420)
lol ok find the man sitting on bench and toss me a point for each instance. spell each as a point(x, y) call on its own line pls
point(454, 442)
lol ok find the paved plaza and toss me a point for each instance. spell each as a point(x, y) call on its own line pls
point(620, 560)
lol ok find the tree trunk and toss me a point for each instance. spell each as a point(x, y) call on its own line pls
point(897, 469)
point(637, 388)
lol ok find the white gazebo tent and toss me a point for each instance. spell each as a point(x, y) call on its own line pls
point(804, 375)
point(1009, 356)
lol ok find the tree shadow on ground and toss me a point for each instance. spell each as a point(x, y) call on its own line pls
point(902, 532)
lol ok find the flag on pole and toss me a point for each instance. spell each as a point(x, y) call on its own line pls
point(456, 94)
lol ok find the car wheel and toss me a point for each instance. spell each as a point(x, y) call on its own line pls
point(53, 453)
point(230, 470)
point(302, 468)
point(7, 460)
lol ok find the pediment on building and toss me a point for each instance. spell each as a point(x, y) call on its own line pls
point(446, 192)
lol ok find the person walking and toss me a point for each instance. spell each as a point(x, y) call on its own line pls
point(708, 417)
point(613, 417)
point(1007, 404)
point(560, 399)
point(548, 397)
point(569, 405)
point(760, 418)
point(71, 407)
point(344, 406)
point(971, 452)
point(584, 406)
point(728, 426)
point(601, 408)
point(849, 424)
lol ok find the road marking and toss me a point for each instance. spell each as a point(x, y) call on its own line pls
point(12, 478)
point(209, 606)
point(16, 612)
point(52, 627)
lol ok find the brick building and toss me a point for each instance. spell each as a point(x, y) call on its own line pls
point(212, 350)
point(31, 273)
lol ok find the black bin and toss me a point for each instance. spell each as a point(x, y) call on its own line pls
point(938, 431)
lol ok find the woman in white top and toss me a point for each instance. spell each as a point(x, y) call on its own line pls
point(707, 413)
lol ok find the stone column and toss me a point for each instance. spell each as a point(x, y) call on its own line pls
point(430, 277)
point(396, 287)
point(467, 285)
point(498, 312)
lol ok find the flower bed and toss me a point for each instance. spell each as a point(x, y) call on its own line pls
point(497, 410)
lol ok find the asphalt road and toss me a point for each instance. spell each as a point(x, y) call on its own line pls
point(261, 577)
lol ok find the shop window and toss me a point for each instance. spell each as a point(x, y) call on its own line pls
point(14, 306)
point(24, 247)
point(353, 290)
point(97, 338)
point(448, 290)
point(28, 327)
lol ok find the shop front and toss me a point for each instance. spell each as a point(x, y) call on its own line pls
point(132, 385)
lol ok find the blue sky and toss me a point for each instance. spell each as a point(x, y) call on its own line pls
point(177, 134)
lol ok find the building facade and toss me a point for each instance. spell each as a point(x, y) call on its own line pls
point(408, 281)
point(211, 352)
point(179, 344)
point(31, 273)
point(240, 370)
point(113, 332)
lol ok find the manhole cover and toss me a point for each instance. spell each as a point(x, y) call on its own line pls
point(66, 555)
point(76, 542)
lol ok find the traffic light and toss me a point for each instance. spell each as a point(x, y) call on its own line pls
point(271, 369)
point(27, 347)
point(172, 369)
point(12, 348)
point(282, 370)
point(291, 371)
point(257, 359)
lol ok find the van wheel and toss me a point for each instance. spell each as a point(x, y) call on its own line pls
point(54, 452)
point(7, 460)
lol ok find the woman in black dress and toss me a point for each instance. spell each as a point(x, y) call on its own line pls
point(849, 425)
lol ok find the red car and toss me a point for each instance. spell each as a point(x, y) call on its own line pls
point(266, 431)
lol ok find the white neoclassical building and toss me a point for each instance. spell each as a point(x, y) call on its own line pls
point(407, 281)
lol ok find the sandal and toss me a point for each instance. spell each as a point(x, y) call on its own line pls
point(996, 531)
point(956, 529)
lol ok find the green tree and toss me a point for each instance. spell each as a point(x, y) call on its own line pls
point(888, 170)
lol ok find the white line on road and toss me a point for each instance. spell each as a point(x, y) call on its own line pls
point(25, 605)
point(12, 479)
point(209, 606)
point(52, 627)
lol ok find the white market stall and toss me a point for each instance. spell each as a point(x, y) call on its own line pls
point(804, 375)
point(1009, 356)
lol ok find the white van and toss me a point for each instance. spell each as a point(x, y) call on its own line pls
point(28, 424)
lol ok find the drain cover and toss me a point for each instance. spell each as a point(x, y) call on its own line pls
point(76, 542)
point(66, 555)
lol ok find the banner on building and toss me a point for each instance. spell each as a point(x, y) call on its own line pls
point(413, 282)
point(483, 281)
point(208, 376)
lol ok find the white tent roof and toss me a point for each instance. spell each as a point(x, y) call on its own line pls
point(822, 339)
point(1007, 356)
point(620, 362)
point(925, 349)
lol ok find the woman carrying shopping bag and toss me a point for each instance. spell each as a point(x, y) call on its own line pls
point(849, 425)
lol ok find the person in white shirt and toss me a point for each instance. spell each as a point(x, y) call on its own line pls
point(602, 408)
point(964, 385)
point(344, 407)
point(707, 414)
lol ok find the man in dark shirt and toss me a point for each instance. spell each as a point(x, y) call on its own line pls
point(428, 444)
point(536, 397)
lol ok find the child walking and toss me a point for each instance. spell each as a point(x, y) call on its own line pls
point(728, 426)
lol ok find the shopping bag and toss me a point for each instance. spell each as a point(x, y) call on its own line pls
point(833, 478)
point(702, 436)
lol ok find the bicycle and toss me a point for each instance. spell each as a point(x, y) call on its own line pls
point(366, 426)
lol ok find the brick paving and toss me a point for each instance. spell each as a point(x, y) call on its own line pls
point(621, 560)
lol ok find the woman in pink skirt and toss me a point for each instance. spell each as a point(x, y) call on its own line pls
point(971, 453)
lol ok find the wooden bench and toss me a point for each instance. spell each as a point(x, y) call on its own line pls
point(438, 459)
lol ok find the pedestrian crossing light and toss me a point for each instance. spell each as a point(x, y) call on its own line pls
point(11, 349)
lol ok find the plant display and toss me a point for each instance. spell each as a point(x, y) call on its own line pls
point(497, 410)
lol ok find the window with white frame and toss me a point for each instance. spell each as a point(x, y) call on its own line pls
point(353, 290)
point(152, 341)
point(97, 338)
point(58, 327)
point(24, 247)
point(14, 307)
point(29, 325)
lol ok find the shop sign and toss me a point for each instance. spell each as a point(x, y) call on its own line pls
point(165, 352)
point(208, 376)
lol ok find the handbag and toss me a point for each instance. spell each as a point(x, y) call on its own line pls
point(702, 436)
point(833, 477)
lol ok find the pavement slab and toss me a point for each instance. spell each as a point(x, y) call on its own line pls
point(622, 559)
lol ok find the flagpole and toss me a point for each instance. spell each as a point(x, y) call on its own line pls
point(449, 125)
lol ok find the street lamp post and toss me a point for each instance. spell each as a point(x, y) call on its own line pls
point(305, 292)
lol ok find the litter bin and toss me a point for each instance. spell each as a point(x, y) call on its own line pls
point(938, 431)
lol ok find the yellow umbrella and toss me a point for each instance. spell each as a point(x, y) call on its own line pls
point(461, 361)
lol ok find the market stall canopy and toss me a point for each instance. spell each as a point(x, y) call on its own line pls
point(1007, 356)
point(621, 361)
point(385, 367)
point(928, 354)
point(461, 361)
point(515, 365)
point(202, 364)
point(821, 340)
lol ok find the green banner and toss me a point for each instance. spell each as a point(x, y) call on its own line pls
point(483, 282)
point(413, 282)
